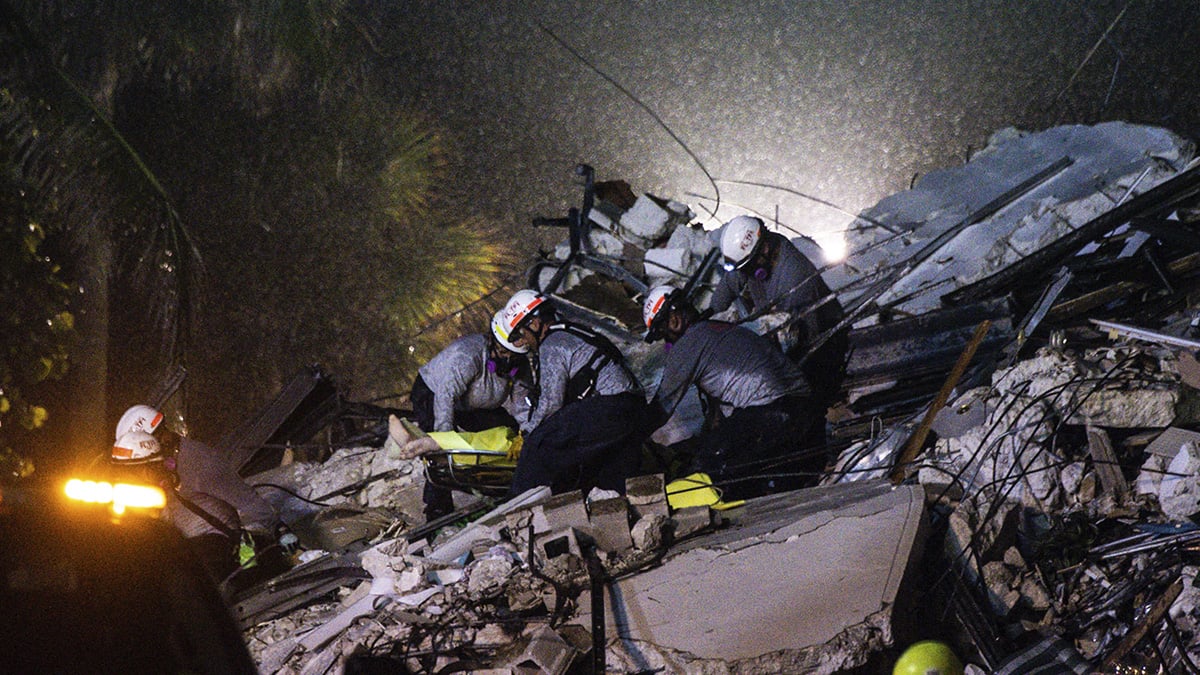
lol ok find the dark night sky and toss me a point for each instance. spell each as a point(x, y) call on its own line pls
point(844, 100)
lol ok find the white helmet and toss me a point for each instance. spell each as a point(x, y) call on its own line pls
point(498, 328)
point(139, 418)
point(739, 240)
point(522, 305)
point(136, 447)
point(656, 299)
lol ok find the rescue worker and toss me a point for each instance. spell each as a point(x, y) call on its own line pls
point(468, 385)
point(202, 469)
point(477, 382)
point(758, 403)
point(764, 272)
point(209, 524)
point(584, 427)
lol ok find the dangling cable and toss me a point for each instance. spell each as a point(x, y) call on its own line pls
point(818, 200)
point(640, 104)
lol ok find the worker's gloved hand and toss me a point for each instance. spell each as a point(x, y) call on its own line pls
point(286, 539)
point(514, 448)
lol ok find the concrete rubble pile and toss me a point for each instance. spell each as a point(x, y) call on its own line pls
point(515, 590)
point(501, 590)
point(1017, 451)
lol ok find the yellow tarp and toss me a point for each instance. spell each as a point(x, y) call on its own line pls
point(697, 490)
point(496, 439)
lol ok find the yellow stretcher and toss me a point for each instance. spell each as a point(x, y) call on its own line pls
point(484, 462)
point(481, 461)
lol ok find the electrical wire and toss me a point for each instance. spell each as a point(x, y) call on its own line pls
point(291, 492)
point(809, 197)
point(653, 115)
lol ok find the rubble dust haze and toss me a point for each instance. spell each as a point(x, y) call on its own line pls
point(844, 102)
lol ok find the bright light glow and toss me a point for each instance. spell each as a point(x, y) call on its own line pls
point(90, 491)
point(833, 244)
point(121, 496)
point(138, 496)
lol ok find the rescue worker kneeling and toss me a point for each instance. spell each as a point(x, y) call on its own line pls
point(760, 413)
point(477, 382)
point(585, 426)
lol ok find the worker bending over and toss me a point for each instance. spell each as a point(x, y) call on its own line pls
point(477, 382)
point(200, 469)
point(764, 273)
point(759, 405)
point(585, 424)
point(469, 384)
point(210, 525)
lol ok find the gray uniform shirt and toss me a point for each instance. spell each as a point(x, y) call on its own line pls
point(561, 355)
point(459, 379)
point(732, 365)
point(202, 469)
point(791, 268)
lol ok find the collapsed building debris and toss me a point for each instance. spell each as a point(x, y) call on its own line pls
point(1025, 324)
point(775, 589)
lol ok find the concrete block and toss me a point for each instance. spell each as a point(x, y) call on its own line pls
point(777, 579)
point(690, 520)
point(556, 543)
point(609, 524)
point(666, 265)
point(579, 637)
point(648, 533)
point(646, 489)
point(546, 651)
point(693, 238)
point(646, 219)
point(681, 213)
point(647, 496)
point(568, 509)
point(605, 243)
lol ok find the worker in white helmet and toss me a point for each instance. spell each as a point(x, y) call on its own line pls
point(764, 273)
point(760, 434)
point(203, 469)
point(584, 427)
point(477, 382)
point(210, 525)
point(469, 385)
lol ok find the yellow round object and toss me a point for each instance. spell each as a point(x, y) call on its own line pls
point(928, 657)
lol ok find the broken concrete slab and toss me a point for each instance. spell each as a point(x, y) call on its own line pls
point(792, 572)
point(1174, 480)
point(1030, 204)
point(1106, 162)
point(1008, 451)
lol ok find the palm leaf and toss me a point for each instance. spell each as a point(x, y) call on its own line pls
point(92, 182)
